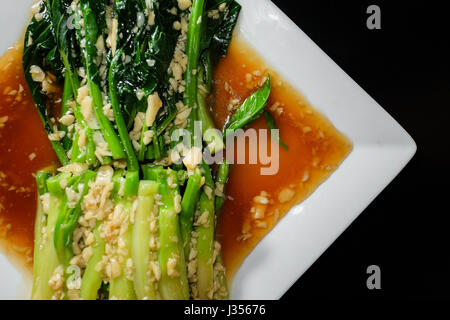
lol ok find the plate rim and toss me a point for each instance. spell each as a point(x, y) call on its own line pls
point(405, 150)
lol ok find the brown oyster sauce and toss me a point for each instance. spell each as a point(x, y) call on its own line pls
point(24, 149)
point(316, 149)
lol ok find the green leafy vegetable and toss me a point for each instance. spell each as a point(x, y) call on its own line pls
point(39, 47)
point(68, 216)
point(272, 125)
point(188, 205)
point(109, 57)
point(92, 30)
point(211, 135)
point(250, 110)
point(219, 30)
point(68, 47)
point(193, 54)
point(120, 122)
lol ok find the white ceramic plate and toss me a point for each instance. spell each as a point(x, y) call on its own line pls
point(381, 149)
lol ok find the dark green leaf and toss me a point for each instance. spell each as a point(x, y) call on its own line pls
point(250, 109)
point(219, 31)
point(150, 52)
point(40, 51)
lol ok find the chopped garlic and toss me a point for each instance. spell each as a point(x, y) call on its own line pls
point(87, 108)
point(37, 74)
point(154, 103)
point(171, 267)
point(82, 93)
point(286, 195)
point(108, 112)
point(82, 138)
point(111, 41)
point(148, 136)
point(140, 94)
point(184, 4)
point(74, 168)
point(100, 44)
point(67, 120)
point(192, 158)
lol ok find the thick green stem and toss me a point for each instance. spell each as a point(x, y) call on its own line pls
point(212, 137)
point(188, 204)
point(205, 249)
point(205, 241)
point(49, 259)
point(221, 278)
point(221, 181)
point(143, 149)
point(77, 154)
point(173, 284)
point(143, 230)
point(121, 287)
point(40, 224)
point(92, 279)
point(69, 216)
point(193, 54)
point(60, 152)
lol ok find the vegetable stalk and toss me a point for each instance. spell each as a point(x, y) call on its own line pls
point(205, 226)
point(193, 54)
point(173, 284)
point(188, 205)
point(47, 251)
point(143, 230)
point(92, 33)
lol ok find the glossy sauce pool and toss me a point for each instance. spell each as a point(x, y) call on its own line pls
point(316, 149)
point(24, 149)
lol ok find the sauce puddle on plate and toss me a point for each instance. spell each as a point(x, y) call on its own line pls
point(24, 149)
point(315, 150)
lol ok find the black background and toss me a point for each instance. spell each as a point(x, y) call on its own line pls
point(405, 67)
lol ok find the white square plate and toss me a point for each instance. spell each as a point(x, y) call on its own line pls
point(381, 149)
